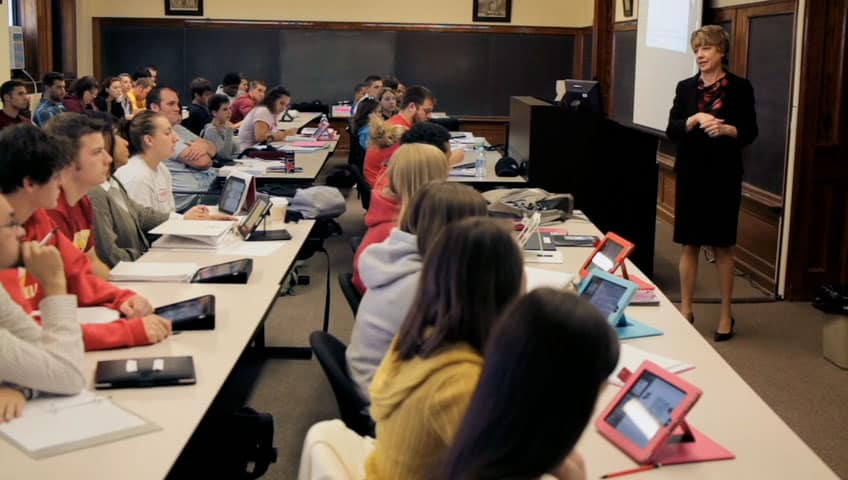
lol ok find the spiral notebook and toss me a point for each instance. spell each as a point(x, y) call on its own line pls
point(54, 425)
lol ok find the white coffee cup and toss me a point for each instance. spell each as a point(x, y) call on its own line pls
point(278, 208)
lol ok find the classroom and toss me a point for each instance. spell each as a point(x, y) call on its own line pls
point(463, 239)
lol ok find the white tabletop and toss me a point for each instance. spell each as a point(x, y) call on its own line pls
point(311, 164)
point(177, 410)
point(492, 178)
point(729, 411)
point(300, 121)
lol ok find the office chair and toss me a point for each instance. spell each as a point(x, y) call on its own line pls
point(353, 409)
point(362, 186)
point(350, 292)
point(354, 243)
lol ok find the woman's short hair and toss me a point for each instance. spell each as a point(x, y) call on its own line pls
point(545, 362)
point(272, 96)
point(713, 35)
point(142, 124)
point(436, 205)
point(472, 272)
point(217, 101)
point(410, 167)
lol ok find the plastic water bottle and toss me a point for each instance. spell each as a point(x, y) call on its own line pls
point(323, 126)
point(480, 161)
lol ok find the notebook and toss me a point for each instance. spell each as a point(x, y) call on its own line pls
point(54, 425)
point(144, 372)
point(211, 232)
point(631, 358)
point(177, 272)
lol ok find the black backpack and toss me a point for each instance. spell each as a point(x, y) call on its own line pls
point(252, 447)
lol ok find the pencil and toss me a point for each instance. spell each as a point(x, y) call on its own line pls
point(48, 237)
point(632, 470)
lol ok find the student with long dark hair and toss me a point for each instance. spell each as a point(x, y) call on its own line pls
point(545, 363)
point(422, 388)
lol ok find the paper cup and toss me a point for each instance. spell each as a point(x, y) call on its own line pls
point(278, 208)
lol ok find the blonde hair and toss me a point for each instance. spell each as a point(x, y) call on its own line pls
point(384, 134)
point(412, 166)
point(712, 35)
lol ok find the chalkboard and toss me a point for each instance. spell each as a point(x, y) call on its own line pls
point(471, 73)
point(770, 72)
point(624, 74)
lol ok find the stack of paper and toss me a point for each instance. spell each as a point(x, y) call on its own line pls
point(173, 242)
point(152, 272)
point(211, 232)
point(631, 357)
point(536, 278)
point(54, 425)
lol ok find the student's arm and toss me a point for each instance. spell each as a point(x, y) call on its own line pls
point(100, 269)
point(262, 131)
point(105, 231)
point(455, 157)
point(47, 358)
point(125, 333)
point(196, 155)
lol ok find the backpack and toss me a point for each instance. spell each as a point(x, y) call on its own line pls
point(253, 451)
point(318, 202)
point(517, 203)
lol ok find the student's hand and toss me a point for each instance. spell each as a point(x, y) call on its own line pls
point(287, 133)
point(45, 264)
point(156, 328)
point(12, 403)
point(136, 306)
point(197, 212)
point(456, 157)
point(194, 151)
point(572, 468)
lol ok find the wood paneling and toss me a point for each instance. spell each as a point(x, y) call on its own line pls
point(602, 48)
point(817, 251)
point(495, 129)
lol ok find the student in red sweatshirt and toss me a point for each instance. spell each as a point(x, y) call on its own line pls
point(31, 162)
point(412, 166)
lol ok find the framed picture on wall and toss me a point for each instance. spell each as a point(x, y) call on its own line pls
point(492, 10)
point(184, 7)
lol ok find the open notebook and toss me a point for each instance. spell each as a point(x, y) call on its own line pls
point(54, 425)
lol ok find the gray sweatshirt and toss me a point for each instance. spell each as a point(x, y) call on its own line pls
point(390, 270)
point(47, 358)
point(222, 137)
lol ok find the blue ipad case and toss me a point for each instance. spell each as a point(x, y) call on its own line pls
point(611, 294)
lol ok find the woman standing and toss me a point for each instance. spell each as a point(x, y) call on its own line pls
point(712, 119)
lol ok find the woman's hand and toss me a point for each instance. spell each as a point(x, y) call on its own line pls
point(717, 128)
point(11, 404)
point(202, 212)
point(698, 120)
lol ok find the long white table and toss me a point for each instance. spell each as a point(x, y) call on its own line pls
point(300, 121)
point(310, 163)
point(491, 179)
point(729, 411)
point(177, 410)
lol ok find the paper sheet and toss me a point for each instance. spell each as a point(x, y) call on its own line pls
point(631, 357)
point(536, 278)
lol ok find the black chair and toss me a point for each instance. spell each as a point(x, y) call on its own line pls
point(354, 243)
point(353, 409)
point(356, 156)
point(452, 124)
point(350, 292)
point(361, 185)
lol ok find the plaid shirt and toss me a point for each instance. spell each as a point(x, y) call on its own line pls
point(45, 111)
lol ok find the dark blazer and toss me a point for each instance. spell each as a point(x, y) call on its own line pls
point(738, 110)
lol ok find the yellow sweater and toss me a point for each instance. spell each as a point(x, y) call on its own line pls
point(418, 405)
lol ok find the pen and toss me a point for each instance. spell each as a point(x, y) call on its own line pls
point(643, 468)
point(48, 237)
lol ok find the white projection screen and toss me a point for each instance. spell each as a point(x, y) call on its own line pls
point(663, 56)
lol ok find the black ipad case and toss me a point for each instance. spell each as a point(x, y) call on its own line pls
point(144, 372)
point(193, 314)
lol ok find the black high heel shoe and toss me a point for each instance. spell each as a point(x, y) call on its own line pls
point(723, 337)
point(691, 318)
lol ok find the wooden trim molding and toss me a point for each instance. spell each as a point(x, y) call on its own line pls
point(627, 26)
point(603, 50)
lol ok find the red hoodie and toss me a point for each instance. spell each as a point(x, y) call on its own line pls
point(82, 282)
point(381, 218)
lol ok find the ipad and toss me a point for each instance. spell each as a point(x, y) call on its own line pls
point(237, 271)
point(247, 227)
point(234, 194)
point(646, 411)
point(608, 255)
point(193, 314)
point(610, 294)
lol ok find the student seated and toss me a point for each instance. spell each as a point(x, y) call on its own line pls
point(126, 88)
point(36, 359)
point(109, 98)
point(260, 124)
point(388, 103)
point(245, 103)
point(431, 134)
point(361, 122)
point(421, 390)
point(53, 91)
point(32, 162)
point(81, 95)
point(373, 84)
point(417, 165)
point(417, 107)
point(138, 95)
point(544, 365)
point(121, 223)
point(91, 161)
point(230, 86)
point(198, 111)
point(391, 269)
point(190, 164)
point(219, 131)
point(15, 103)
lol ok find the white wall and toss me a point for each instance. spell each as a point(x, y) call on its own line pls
point(543, 13)
point(5, 57)
point(619, 7)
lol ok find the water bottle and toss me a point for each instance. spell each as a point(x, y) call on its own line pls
point(323, 126)
point(480, 162)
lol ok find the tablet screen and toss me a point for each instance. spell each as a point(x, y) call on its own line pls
point(248, 225)
point(188, 310)
point(232, 195)
point(604, 295)
point(221, 270)
point(605, 258)
point(646, 408)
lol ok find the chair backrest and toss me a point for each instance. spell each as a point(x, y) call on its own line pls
point(350, 292)
point(330, 353)
point(356, 156)
point(362, 185)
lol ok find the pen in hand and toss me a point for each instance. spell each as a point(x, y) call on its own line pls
point(44, 241)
